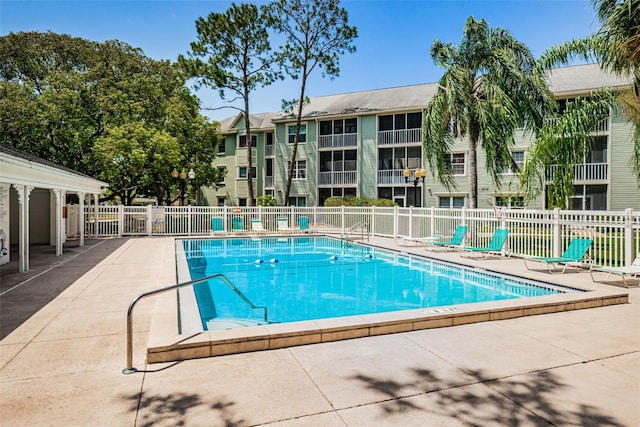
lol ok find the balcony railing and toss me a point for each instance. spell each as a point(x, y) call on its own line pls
point(584, 172)
point(602, 126)
point(338, 178)
point(338, 141)
point(268, 181)
point(268, 150)
point(390, 176)
point(402, 136)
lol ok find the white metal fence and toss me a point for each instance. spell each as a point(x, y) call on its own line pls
point(616, 235)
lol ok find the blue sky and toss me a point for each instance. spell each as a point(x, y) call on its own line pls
point(394, 36)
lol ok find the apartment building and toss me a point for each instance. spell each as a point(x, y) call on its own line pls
point(364, 143)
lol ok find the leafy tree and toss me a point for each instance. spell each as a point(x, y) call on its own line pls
point(358, 201)
point(489, 89)
point(616, 46)
point(317, 33)
point(233, 54)
point(63, 98)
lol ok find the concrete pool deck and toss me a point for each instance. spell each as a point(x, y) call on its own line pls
point(63, 365)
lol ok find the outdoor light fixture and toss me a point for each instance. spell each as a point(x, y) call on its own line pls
point(183, 177)
point(417, 174)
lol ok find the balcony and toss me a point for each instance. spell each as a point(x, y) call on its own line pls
point(390, 176)
point(338, 141)
point(268, 182)
point(584, 172)
point(601, 127)
point(402, 136)
point(338, 178)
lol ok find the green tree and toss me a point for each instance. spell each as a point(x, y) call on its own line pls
point(62, 95)
point(489, 89)
point(233, 54)
point(317, 33)
point(616, 46)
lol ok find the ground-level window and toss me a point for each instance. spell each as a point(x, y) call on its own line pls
point(512, 201)
point(451, 202)
point(402, 196)
point(291, 131)
point(242, 172)
point(221, 201)
point(297, 201)
point(242, 202)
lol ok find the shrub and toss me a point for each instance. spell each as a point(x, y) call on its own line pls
point(357, 201)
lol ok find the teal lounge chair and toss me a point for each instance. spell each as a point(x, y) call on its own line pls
point(237, 224)
point(496, 244)
point(217, 226)
point(575, 253)
point(456, 239)
point(631, 272)
point(303, 224)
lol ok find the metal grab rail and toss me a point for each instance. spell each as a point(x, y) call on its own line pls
point(360, 225)
point(130, 369)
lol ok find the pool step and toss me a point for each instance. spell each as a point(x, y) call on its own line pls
point(231, 322)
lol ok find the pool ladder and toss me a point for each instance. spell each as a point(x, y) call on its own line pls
point(361, 226)
point(130, 369)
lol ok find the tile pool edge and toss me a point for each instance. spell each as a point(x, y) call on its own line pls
point(167, 345)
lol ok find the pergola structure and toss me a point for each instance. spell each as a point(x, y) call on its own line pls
point(32, 199)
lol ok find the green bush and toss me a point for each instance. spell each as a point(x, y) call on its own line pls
point(357, 201)
point(266, 200)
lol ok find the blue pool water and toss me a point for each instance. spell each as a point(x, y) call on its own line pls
point(303, 278)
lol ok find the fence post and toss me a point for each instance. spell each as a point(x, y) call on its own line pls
point(149, 220)
point(411, 222)
point(556, 242)
point(432, 221)
point(373, 221)
point(96, 212)
point(189, 220)
point(342, 218)
point(395, 222)
point(225, 214)
point(120, 220)
point(628, 238)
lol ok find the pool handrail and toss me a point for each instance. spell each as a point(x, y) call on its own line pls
point(130, 369)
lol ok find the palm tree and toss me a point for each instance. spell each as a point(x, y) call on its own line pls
point(490, 88)
point(616, 46)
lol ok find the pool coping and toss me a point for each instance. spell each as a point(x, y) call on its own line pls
point(166, 344)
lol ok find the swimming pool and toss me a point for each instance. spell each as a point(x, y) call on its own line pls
point(290, 279)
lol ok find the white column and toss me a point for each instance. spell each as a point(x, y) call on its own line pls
point(24, 192)
point(57, 197)
point(81, 219)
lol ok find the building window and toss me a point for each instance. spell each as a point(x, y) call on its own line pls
point(242, 202)
point(451, 202)
point(269, 138)
point(457, 163)
point(400, 121)
point(221, 201)
point(243, 141)
point(221, 147)
point(338, 127)
point(512, 201)
point(291, 131)
point(299, 170)
point(297, 201)
point(242, 172)
point(518, 158)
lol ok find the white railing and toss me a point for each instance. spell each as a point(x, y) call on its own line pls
point(584, 172)
point(391, 176)
point(338, 141)
point(402, 136)
point(531, 232)
point(268, 182)
point(269, 150)
point(338, 178)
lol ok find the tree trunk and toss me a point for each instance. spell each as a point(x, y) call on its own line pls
point(473, 174)
point(296, 137)
point(247, 126)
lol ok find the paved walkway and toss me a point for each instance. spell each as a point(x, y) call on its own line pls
point(62, 366)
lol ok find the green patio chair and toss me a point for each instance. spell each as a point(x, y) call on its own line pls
point(303, 224)
point(237, 224)
point(574, 254)
point(496, 244)
point(455, 240)
point(217, 226)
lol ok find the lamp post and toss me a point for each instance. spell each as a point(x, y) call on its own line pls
point(182, 176)
point(417, 174)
